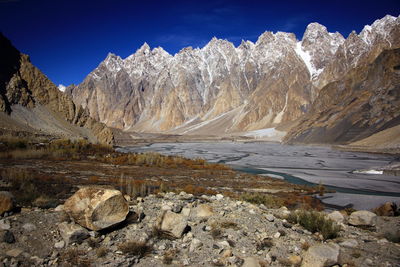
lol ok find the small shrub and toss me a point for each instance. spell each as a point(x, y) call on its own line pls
point(216, 233)
point(305, 246)
point(135, 248)
point(264, 244)
point(93, 242)
point(75, 257)
point(169, 256)
point(158, 234)
point(101, 252)
point(315, 222)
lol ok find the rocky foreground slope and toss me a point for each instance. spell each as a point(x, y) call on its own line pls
point(221, 89)
point(32, 105)
point(184, 230)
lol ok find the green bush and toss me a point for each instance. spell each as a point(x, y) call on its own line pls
point(315, 222)
point(260, 198)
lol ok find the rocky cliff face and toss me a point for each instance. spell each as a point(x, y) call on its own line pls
point(365, 101)
point(223, 89)
point(23, 84)
point(252, 86)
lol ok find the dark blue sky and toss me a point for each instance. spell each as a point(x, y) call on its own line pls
point(67, 39)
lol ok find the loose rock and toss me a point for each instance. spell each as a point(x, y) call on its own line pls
point(173, 223)
point(362, 218)
point(336, 216)
point(97, 208)
point(72, 233)
point(321, 255)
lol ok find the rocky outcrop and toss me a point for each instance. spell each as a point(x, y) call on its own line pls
point(97, 208)
point(23, 84)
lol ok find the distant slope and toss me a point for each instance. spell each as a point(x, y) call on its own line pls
point(365, 101)
point(385, 141)
point(31, 104)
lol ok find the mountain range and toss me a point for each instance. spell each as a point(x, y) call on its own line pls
point(278, 83)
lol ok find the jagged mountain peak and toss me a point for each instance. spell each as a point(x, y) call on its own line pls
point(144, 49)
point(205, 83)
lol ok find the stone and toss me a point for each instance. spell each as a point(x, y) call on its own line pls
point(277, 235)
point(349, 243)
point(270, 217)
point(227, 253)
point(7, 237)
point(362, 218)
point(204, 210)
point(295, 260)
point(6, 202)
point(173, 223)
point(185, 212)
point(251, 262)
point(59, 208)
point(15, 252)
point(336, 216)
point(72, 233)
point(60, 244)
point(97, 208)
point(219, 196)
point(321, 255)
point(29, 227)
point(195, 244)
point(5, 225)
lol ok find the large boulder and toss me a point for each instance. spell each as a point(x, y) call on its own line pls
point(6, 202)
point(97, 208)
point(72, 233)
point(362, 218)
point(321, 255)
point(173, 224)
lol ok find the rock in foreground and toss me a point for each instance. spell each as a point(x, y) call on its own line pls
point(97, 208)
point(362, 218)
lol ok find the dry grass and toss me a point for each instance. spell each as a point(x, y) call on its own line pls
point(268, 200)
point(170, 255)
point(266, 243)
point(101, 252)
point(75, 257)
point(134, 248)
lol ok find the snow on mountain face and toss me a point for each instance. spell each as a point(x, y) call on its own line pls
point(318, 48)
point(249, 87)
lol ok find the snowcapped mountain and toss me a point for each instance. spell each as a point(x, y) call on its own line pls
point(221, 89)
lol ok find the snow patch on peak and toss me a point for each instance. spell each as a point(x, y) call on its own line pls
point(61, 87)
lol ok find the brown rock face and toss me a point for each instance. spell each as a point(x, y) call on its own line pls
point(22, 83)
point(97, 208)
point(363, 102)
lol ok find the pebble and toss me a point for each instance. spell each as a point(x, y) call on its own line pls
point(5, 225)
point(270, 217)
point(60, 244)
point(277, 235)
